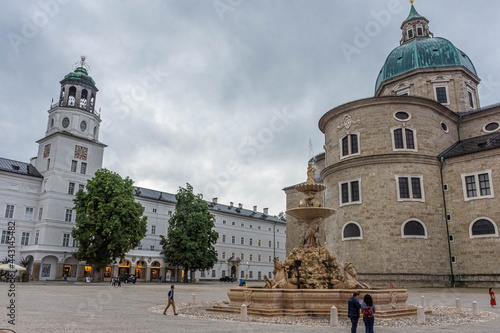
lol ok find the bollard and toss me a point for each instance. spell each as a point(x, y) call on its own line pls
point(475, 309)
point(459, 306)
point(193, 298)
point(334, 316)
point(422, 301)
point(420, 315)
point(243, 313)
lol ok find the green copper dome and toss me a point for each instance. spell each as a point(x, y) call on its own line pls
point(422, 53)
point(80, 76)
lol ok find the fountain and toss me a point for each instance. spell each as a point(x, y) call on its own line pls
point(310, 280)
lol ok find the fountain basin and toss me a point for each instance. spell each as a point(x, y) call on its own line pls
point(310, 213)
point(390, 303)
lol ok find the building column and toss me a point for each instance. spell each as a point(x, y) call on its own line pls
point(35, 272)
point(148, 273)
point(59, 271)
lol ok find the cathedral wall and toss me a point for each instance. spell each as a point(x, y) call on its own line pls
point(473, 124)
point(476, 257)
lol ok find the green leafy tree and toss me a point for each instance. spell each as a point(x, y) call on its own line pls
point(109, 222)
point(190, 238)
point(281, 216)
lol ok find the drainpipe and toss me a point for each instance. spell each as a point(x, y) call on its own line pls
point(446, 220)
point(274, 240)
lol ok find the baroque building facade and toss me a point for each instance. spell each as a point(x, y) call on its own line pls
point(412, 171)
point(37, 205)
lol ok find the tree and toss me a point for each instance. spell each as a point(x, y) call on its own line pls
point(281, 216)
point(109, 222)
point(190, 237)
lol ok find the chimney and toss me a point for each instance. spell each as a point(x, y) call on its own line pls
point(214, 200)
point(240, 206)
point(266, 211)
point(255, 209)
point(231, 204)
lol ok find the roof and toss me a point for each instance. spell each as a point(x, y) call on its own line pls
point(473, 145)
point(422, 53)
point(215, 207)
point(413, 14)
point(21, 168)
point(80, 76)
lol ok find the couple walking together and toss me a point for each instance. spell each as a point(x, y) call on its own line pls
point(367, 308)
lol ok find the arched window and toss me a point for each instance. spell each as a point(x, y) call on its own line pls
point(352, 230)
point(483, 227)
point(404, 138)
point(95, 132)
point(413, 229)
point(92, 103)
point(71, 96)
point(83, 99)
point(61, 99)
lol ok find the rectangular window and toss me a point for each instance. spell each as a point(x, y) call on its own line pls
point(250, 257)
point(223, 221)
point(243, 224)
point(441, 95)
point(153, 230)
point(404, 138)
point(48, 163)
point(37, 235)
point(259, 243)
point(259, 258)
point(270, 259)
point(65, 240)
point(277, 245)
point(81, 187)
point(223, 273)
point(350, 144)
point(242, 274)
point(471, 99)
point(410, 188)
point(202, 274)
point(350, 192)
point(242, 256)
point(233, 223)
point(259, 275)
point(242, 240)
point(250, 275)
point(233, 239)
point(151, 247)
point(410, 33)
point(9, 211)
point(5, 237)
point(213, 273)
point(25, 238)
point(419, 31)
point(74, 164)
point(250, 242)
point(28, 214)
point(71, 188)
point(270, 244)
point(223, 238)
point(83, 168)
point(477, 185)
point(223, 255)
point(40, 213)
point(68, 217)
point(76, 243)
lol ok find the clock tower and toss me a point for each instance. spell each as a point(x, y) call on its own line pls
point(70, 152)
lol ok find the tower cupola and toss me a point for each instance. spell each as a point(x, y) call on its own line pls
point(415, 26)
point(78, 89)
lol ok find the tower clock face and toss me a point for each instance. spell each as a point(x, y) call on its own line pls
point(46, 151)
point(81, 152)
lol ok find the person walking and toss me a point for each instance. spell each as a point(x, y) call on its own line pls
point(170, 301)
point(368, 309)
point(353, 307)
point(492, 298)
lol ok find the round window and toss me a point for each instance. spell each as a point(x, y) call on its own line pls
point(401, 115)
point(83, 126)
point(444, 127)
point(65, 122)
point(491, 127)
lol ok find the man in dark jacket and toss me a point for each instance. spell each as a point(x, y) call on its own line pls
point(171, 301)
point(353, 307)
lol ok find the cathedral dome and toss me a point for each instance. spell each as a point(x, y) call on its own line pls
point(422, 53)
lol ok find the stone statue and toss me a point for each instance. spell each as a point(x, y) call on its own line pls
point(309, 200)
point(279, 281)
point(311, 235)
point(310, 173)
point(349, 280)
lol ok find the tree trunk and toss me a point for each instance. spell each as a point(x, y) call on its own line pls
point(192, 276)
point(186, 270)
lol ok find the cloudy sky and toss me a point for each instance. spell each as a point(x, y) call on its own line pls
point(223, 94)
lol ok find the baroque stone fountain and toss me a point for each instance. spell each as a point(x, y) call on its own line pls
point(310, 280)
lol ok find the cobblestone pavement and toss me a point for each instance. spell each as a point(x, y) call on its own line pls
point(77, 307)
